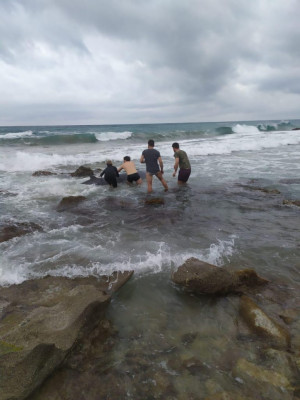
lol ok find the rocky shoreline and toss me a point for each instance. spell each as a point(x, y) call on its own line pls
point(55, 340)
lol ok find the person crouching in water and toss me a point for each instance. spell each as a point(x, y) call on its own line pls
point(130, 169)
point(110, 174)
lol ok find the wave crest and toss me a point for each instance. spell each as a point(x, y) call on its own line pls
point(107, 136)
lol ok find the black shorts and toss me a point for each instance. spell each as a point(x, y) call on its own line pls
point(184, 175)
point(133, 177)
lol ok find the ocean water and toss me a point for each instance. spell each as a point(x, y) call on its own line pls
point(221, 216)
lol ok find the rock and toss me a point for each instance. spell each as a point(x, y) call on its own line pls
point(69, 202)
point(43, 173)
point(282, 362)
point(296, 129)
point(291, 203)
point(41, 322)
point(17, 229)
point(155, 201)
point(203, 278)
point(248, 371)
point(267, 190)
point(262, 324)
point(83, 171)
point(289, 315)
point(261, 189)
point(227, 396)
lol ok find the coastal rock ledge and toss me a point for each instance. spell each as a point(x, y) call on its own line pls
point(42, 320)
point(200, 277)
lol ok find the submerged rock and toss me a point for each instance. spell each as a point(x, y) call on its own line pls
point(203, 278)
point(41, 322)
point(155, 201)
point(17, 229)
point(69, 202)
point(291, 203)
point(43, 173)
point(257, 375)
point(83, 171)
point(262, 324)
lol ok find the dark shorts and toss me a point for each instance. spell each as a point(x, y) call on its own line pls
point(184, 175)
point(152, 172)
point(133, 177)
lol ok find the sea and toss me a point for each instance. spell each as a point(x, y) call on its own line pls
point(231, 213)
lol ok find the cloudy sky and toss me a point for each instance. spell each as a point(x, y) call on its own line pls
point(146, 61)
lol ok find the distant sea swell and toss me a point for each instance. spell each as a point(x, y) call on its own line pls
point(33, 136)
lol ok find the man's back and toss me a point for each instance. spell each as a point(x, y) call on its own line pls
point(151, 156)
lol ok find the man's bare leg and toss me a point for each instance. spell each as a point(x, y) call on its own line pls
point(149, 182)
point(164, 183)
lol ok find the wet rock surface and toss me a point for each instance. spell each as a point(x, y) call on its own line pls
point(43, 173)
point(203, 278)
point(43, 320)
point(155, 201)
point(11, 230)
point(263, 324)
point(157, 352)
point(70, 202)
point(291, 203)
point(82, 171)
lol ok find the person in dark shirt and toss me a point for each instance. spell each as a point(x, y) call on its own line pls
point(110, 174)
point(154, 165)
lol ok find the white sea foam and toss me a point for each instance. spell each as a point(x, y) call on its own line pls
point(154, 261)
point(23, 161)
point(107, 136)
point(240, 142)
point(245, 129)
point(16, 135)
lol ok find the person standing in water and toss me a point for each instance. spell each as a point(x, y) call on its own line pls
point(154, 165)
point(182, 161)
point(110, 174)
point(130, 169)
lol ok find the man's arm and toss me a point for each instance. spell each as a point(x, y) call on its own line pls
point(142, 159)
point(161, 164)
point(176, 166)
point(120, 168)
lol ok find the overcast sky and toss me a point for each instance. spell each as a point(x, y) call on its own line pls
point(147, 61)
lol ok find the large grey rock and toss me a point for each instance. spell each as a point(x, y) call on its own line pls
point(203, 278)
point(42, 320)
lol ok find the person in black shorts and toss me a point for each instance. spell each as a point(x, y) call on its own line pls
point(110, 174)
point(182, 161)
point(130, 169)
point(154, 165)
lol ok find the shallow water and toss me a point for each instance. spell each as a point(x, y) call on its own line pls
point(222, 217)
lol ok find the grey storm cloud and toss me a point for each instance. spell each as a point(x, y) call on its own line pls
point(148, 61)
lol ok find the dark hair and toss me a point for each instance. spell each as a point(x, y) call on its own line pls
point(151, 142)
point(126, 158)
point(175, 145)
